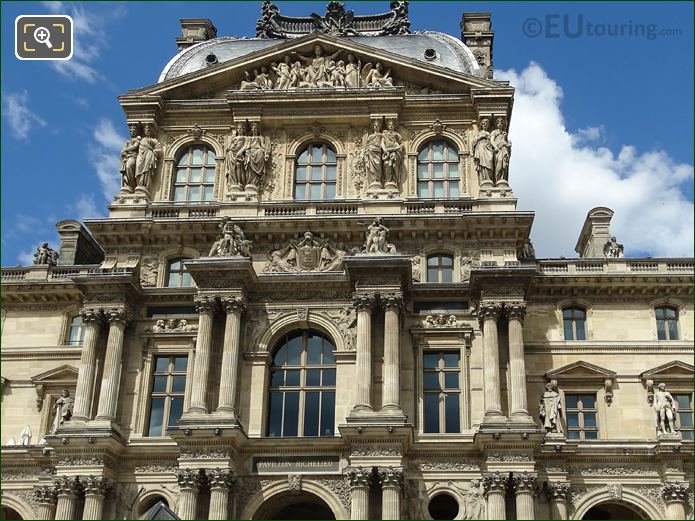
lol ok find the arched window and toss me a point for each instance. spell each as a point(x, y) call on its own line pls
point(574, 322)
point(177, 276)
point(302, 386)
point(438, 170)
point(440, 268)
point(666, 323)
point(75, 331)
point(315, 173)
point(194, 179)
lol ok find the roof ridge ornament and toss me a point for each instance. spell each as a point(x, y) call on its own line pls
point(336, 21)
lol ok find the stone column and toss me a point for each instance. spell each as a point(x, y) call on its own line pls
point(495, 489)
point(68, 489)
point(190, 481)
point(675, 495)
point(524, 484)
point(110, 381)
point(488, 313)
point(517, 365)
point(91, 322)
point(392, 366)
point(206, 309)
point(363, 379)
point(45, 498)
point(557, 496)
point(220, 482)
point(391, 480)
point(95, 490)
point(229, 381)
point(360, 479)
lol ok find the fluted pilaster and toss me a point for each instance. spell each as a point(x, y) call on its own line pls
point(96, 488)
point(675, 495)
point(557, 496)
point(206, 309)
point(117, 318)
point(364, 303)
point(45, 498)
point(393, 303)
point(391, 480)
point(68, 490)
point(190, 482)
point(495, 489)
point(360, 480)
point(229, 381)
point(92, 321)
point(488, 313)
point(517, 364)
point(220, 483)
point(524, 484)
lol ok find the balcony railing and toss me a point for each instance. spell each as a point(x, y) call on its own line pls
point(615, 266)
point(45, 273)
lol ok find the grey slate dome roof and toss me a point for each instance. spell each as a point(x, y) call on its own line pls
point(430, 47)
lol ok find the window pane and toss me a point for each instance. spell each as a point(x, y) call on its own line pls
point(569, 335)
point(431, 360)
point(327, 414)
point(275, 416)
point(567, 313)
point(289, 427)
point(687, 435)
point(194, 193)
point(437, 151)
point(184, 159)
point(330, 155)
point(423, 190)
point(328, 358)
point(315, 173)
point(176, 410)
point(208, 193)
point(572, 420)
point(591, 435)
point(447, 275)
point(431, 413)
point(156, 417)
point(453, 189)
point(328, 377)
point(452, 153)
point(571, 401)
point(573, 435)
point(329, 191)
point(277, 378)
point(579, 326)
point(686, 419)
point(589, 420)
point(180, 193)
point(438, 170)
point(292, 377)
point(162, 364)
point(422, 156)
point(197, 156)
point(195, 175)
point(299, 192)
point(431, 380)
point(211, 157)
point(439, 189)
point(186, 280)
point(294, 350)
point(280, 357)
point(669, 313)
point(301, 173)
point(451, 380)
point(330, 173)
point(160, 384)
point(423, 171)
point(313, 350)
point(580, 314)
point(451, 359)
point(452, 415)
point(317, 154)
point(313, 378)
point(181, 363)
point(447, 261)
point(178, 385)
point(683, 400)
point(672, 330)
point(432, 275)
point(315, 193)
point(182, 175)
point(661, 329)
point(311, 414)
point(588, 401)
point(433, 261)
point(302, 160)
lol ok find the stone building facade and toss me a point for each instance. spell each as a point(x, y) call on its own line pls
point(314, 297)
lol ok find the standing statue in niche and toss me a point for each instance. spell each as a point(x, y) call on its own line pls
point(62, 410)
point(129, 156)
point(503, 150)
point(149, 154)
point(234, 159)
point(372, 150)
point(484, 154)
point(377, 238)
point(257, 158)
point(550, 410)
point(393, 153)
point(666, 411)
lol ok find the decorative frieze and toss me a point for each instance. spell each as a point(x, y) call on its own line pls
point(172, 325)
point(441, 465)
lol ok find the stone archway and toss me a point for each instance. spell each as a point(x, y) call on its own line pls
point(603, 504)
point(294, 505)
point(614, 511)
point(10, 513)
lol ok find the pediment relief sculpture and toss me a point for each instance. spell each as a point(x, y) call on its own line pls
point(247, 158)
point(140, 158)
point(306, 255)
point(172, 325)
point(232, 242)
point(440, 321)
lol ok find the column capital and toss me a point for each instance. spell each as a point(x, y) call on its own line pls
point(391, 477)
point(92, 316)
point(221, 478)
point(190, 479)
point(524, 482)
point(359, 477)
point(489, 310)
point(364, 301)
point(494, 482)
point(118, 315)
point(675, 491)
point(558, 491)
point(515, 310)
point(45, 495)
point(205, 303)
point(392, 301)
point(97, 486)
point(68, 486)
point(233, 304)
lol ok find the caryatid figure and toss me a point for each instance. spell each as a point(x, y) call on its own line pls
point(149, 154)
point(234, 159)
point(484, 154)
point(371, 155)
point(257, 157)
point(393, 153)
point(129, 156)
point(503, 151)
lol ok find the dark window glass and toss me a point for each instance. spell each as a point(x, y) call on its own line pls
point(666, 323)
point(440, 268)
point(685, 414)
point(177, 276)
point(168, 389)
point(581, 416)
point(574, 320)
point(194, 179)
point(442, 388)
point(438, 171)
point(315, 177)
point(76, 331)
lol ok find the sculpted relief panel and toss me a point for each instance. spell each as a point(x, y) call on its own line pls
point(308, 254)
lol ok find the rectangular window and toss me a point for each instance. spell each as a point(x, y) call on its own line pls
point(441, 382)
point(166, 395)
point(574, 320)
point(685, 414)
point(580, 410)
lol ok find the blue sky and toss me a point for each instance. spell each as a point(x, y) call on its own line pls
point(598, 120)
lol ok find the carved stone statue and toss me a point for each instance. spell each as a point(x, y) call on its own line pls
point(376, 77)
point(45, 255)
point(338, 21)
point(474, 502)
point(260, 81)
point(377, 235)
point(399, 22)
point(268, 26)
point(372, 150)
point(666, 411)
point(613, 249)
point(129, 156)
point(353, 71)
point(231, 243)
point(149, 154)
point(503, 151)
point(62, 410)
point(234, 159)
point(283, 71)
point(550, 410)
point(257, 158)
point(483, 153)
point(393, 153)
point(25, 436)
point(316, 72)
point(528, 251)
point(308, 254)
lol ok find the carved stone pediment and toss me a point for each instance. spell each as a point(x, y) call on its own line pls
point(581, 371)
point(671, 371)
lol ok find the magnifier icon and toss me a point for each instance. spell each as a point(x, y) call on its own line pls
point(42, 35)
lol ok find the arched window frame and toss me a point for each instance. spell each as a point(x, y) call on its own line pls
point(183, 180)
point(440, 268)
point(175, 149)
point(327, 182)
point(426, 170)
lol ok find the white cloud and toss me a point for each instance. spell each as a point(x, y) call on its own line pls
point(27, 223)
point(20, 118)
point(85, 208)
point(562, 175)
point(104, 156)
